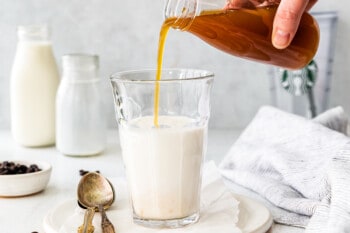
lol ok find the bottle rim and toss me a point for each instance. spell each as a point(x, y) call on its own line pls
point(80, 61)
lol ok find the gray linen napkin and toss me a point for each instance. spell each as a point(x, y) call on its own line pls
point(300, 168)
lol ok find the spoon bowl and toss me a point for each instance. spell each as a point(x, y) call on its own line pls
point(94, 190)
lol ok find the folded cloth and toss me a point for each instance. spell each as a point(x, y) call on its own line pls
point(300, 167)
point(219, 210)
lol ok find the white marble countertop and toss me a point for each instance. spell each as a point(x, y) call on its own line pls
point(26, 214)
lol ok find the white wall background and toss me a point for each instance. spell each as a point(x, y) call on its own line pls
point(125, 36)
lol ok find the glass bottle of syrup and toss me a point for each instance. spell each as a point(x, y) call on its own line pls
point(243, 31)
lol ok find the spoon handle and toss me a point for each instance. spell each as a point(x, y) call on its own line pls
point(106, 225)
point(87, 226)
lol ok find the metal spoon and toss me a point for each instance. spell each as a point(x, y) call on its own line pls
point(95, 192)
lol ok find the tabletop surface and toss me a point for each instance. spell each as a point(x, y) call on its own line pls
point(26, 214)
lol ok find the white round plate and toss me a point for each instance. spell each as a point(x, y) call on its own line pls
point(253, 216)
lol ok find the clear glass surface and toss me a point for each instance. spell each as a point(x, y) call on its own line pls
point(163, 161)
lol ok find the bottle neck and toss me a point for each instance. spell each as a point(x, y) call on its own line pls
point(180, 13)
point(80, 68)
point(34, 33)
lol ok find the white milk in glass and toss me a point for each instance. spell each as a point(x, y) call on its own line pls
point(163, 165)
point(34, 82)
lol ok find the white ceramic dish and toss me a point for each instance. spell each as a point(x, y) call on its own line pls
point(253, 216)
point(25, 184)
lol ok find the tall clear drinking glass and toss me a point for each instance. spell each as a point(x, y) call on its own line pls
point(163, 135)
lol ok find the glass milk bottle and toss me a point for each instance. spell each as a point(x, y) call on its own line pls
point(34, 82)
point(81, 122)
point(243, 28)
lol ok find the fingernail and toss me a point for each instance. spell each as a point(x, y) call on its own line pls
point(281, 39)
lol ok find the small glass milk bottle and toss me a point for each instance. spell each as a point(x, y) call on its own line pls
point(81, 122)
point(34, 82)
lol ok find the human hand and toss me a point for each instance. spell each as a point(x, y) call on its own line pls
point(287, 18)
point(287, 21)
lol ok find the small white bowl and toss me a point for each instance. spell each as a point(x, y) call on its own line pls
point(25, 184)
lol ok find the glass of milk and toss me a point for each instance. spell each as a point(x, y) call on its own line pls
point(163, 157)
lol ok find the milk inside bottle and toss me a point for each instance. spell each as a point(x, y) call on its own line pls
point(34, 82)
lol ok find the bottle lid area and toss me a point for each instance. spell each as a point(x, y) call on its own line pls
point(79, 61)
point(80, 67)
point(40, 32)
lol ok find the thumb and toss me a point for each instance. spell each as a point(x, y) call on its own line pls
point(286, 22)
